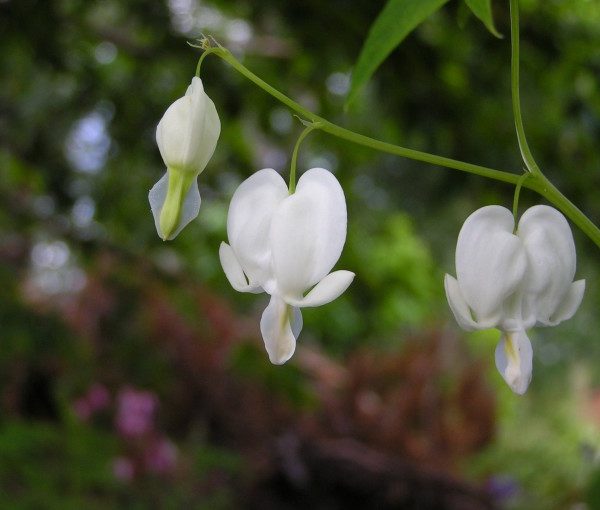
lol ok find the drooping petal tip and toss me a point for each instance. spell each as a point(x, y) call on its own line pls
point(514, 360)
point(458, 305)
point(280, 326)
point(233, 270)
point(329, 288)
point(569, 305)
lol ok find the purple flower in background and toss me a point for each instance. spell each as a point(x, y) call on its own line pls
point(502, 487)
point(123, 469)
point(96, 399)
point(81, 408)
point(160, 457)
point(135, 412)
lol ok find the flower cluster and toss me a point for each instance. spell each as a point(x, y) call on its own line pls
point(135, 412)
point(146, 449)
point(284, 245)
point(149, 450)
point(513, 280)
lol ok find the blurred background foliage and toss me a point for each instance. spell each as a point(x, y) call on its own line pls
point(133, 376)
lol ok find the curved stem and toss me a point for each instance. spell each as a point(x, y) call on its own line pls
point(551, 193)
point(303, 135)
point(397, 150)
point(206, 53)
point(359, 139)
point(515, 209)
point(514, 85)
point(538, 182)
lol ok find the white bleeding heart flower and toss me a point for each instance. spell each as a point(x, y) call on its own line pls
point(286, 245)
point(186, 136)
point(514, 281)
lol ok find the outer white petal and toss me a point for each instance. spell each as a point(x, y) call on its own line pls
point(459, 307)
point(308, 232)
point(514, 360)
point(329, 288)
point(189, 210)
point(551, 258)
point(174, 133)
point(490, 262)
point(204, 142)
point(249, 222)
point(569, 305)
point(280, 326)
point(188, 132)
point(234, 272)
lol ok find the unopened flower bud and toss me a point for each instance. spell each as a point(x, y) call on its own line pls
point(186, 136)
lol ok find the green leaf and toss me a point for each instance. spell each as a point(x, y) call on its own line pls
point(397, 19)
point(483, 10)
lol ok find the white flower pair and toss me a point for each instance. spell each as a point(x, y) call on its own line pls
point(281, 244)
point(514, 280)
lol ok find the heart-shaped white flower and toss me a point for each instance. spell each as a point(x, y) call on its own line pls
point(513, 281)
point(286, 245)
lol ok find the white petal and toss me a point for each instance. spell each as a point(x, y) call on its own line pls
point(249, 222)
point(234, 271)
point(188, 132)
point(296, 321)
point(551, 256)
point(490, 262)
point(569, 305)
point(205, 141)
point(174, 133)
point(195, 88)
point(514, 357)
point(280, 326)
point(308, 232)
point(457, 303)
point(329, 288)
point(189, 210)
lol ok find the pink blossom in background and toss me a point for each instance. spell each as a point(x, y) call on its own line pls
point(123, 469)
point(96, 399)
point(81, 408)
point(160, 457)
point(135, 412)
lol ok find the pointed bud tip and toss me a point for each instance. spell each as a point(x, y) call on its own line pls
point(167, 228)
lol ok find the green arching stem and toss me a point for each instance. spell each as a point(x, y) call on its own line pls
point(551, 193)
point(538, 182)
point(206, 53)
point(515, 209)
point(303, 135)
point(357, 138)
point(514, 85)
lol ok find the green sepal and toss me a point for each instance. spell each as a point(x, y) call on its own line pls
point(179, 185)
